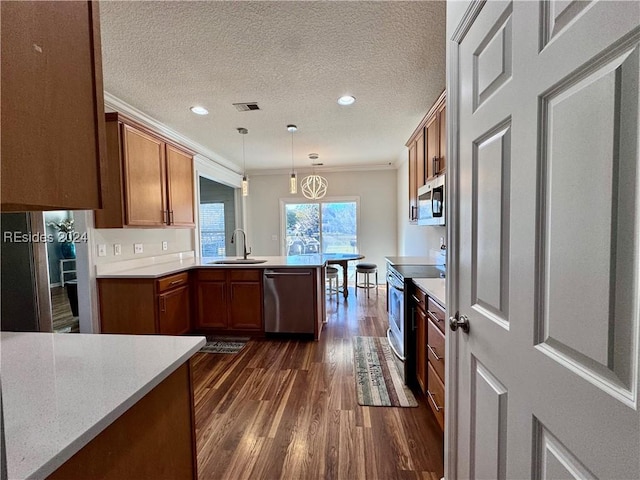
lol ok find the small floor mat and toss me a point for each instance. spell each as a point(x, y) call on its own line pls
point(224, 344)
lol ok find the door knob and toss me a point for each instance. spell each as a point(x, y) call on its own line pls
point(459, 321)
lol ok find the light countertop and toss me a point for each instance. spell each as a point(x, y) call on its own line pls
point(61, 390)
point(435, 257)
point(160, 269)
point(434, 287)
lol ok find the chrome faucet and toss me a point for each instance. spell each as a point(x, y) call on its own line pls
point(244, 242)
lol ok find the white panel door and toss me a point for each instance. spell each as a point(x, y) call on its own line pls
point(544, 108)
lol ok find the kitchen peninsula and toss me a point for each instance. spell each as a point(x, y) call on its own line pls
point(182, 293)
point(87, 406)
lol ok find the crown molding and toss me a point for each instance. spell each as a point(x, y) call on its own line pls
point(329, 169)
point(113, 102)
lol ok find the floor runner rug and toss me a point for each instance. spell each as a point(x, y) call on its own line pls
point(378, 380)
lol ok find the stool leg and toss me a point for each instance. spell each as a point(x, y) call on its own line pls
point(357, 283)
point(367, 283)
point(376, 282)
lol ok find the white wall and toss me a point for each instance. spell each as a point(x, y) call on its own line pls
point(416, 240)
point(377, 232)
point(179, 240)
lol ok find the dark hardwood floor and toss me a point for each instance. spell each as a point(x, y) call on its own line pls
point(63, 319)
point(288, 409)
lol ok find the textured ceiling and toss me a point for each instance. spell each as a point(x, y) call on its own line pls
point(293, 58)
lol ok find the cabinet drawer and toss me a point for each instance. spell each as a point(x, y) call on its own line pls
point(436, 313)
point(419, 298)
point(435, 395)
point(245, 275)
point(435, 348)
point(172, 281)
point(212, 274)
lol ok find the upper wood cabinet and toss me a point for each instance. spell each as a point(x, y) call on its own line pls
point(52, 121)
point(413, 184)
point(427, 152)
point(150, 179)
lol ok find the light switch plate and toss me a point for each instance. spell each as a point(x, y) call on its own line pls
point(137, 248)
point(102, 250)
point(117, 249)
point(165, 245)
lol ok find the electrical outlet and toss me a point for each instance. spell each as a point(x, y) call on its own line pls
point(102, 250)
point(137, 248)
point(165, 245)
point(117, 249)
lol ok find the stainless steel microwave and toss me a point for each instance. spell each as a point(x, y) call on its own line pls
point(431, 202)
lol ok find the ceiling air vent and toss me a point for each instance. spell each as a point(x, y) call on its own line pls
point(246, 106)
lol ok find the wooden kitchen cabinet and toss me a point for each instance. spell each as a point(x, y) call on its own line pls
point(413, 184)
point(53, 138)
point(174, 312)
point(145, 305)
point(229, 301)
point(150, 179)
point(435, 358)
point(418, 299)
point(427, 152)
point(416, 172)
point(430, 349)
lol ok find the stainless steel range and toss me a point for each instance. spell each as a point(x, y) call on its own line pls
point(400, 332)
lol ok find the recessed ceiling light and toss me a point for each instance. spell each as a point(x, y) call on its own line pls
point(346, 100)
point(199, 110)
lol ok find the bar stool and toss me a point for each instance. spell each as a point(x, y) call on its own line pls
point(366, 269)
point(332, 274)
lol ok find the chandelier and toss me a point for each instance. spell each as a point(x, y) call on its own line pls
point(314, 186)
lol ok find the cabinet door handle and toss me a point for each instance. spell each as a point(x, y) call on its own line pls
point(433, 352)
point(171, 217)
point(433, 400)
point(165, 217)
point(163, 304)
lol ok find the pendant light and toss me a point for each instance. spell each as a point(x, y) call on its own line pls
point(314, 186)
point(293, 180)
point(245, 181)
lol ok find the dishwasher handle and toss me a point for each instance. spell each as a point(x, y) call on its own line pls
point(270, 274)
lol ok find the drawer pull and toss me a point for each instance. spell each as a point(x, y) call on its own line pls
point(433, 352)
point(433, 314)
point(433, 400)
point(175, 282)
point(416, 299)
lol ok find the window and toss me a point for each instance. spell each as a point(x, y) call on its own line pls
point(216, 218)
point(212, 234)
point(329, 226)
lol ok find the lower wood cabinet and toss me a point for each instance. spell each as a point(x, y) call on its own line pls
point(174, 311)
point(155, 438)
point(145, 305)
point(430, 350)
point(229, 300)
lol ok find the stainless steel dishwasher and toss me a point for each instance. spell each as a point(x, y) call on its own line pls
point(289, 300)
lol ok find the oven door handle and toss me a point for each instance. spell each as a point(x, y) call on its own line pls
point(395, 286)
point(392, 347)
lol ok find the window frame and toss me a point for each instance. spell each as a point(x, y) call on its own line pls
point(302, 200)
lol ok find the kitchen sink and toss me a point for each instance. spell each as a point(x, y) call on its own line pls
point(236, 261)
